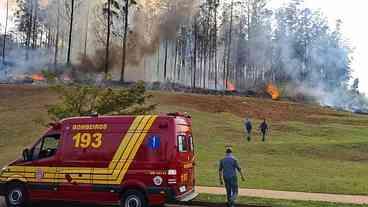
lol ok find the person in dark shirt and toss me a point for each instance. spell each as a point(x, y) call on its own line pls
point(228, 173)
point(264, 129)
point(248, 127)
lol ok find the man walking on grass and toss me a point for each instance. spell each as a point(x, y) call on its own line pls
point(227, 172)
point(248, 128)
point(264, 129)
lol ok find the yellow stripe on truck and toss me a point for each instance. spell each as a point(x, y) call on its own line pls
point(136, 147)
point(124, 163)
point(129, 148)
point(118, 165)
point(135, 126)
point(113, 174)
point(128, 157)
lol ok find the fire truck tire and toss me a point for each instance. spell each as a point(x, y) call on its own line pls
point(133, 198)
point(16, 195)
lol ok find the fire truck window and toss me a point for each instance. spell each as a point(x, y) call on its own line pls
point(191, 144)
point(47, 147)
point(182, 144)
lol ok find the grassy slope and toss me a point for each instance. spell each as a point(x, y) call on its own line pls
point(310, 149)
point(324, 152)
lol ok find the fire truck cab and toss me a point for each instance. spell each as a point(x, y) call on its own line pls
point(132, 161)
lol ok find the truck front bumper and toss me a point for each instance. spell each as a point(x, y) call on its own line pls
point(187, 196)
point(170, 195)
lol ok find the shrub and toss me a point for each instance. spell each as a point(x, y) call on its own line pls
point(83, 100)
point(49, 76)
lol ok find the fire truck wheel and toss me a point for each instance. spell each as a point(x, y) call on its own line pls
point(16, 195)
point(133, 198)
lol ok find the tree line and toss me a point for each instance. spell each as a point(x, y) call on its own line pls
point(238, 42)
point(245, 43)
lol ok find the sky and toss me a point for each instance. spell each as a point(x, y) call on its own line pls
point(352, 12)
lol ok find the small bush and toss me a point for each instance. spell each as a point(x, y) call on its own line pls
point(49, 76)
point(81, 100)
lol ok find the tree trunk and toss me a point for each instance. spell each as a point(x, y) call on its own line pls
point(248, 62)
point(215, 46)
point(70, 34)
point(183, 56)
point(229, 46)
point(57, 36)
point(49, 37)
point(6, 28)
point(165, 60)
point(200, 72)
point(224, 66)
point(158, 63)
point(175, 62)
point(29, 31)
point(126, 19)
point(108, 38)
point(195, 54)
point(86, 34)
point(34, 35)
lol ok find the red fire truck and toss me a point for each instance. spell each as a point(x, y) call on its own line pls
point(134, 161)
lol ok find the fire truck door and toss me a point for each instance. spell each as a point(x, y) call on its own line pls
point(74, 173)
point(41, 166)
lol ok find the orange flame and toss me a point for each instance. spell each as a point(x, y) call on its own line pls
point(38, 77)
point(230, 87)
point(273, 91)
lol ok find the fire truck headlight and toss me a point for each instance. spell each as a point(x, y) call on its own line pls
point(171, 172)
point(182, 189)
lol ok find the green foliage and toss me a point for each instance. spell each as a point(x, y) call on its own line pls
point(81, 100)
point(51, 77)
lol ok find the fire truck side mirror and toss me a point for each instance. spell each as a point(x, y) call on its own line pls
point(26, 155)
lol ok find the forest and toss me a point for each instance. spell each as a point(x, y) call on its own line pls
point(197, 43)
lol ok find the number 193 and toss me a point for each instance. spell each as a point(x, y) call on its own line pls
point(86, 140)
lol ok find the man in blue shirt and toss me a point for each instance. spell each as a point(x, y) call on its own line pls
point(227, 172)
point(248, 128)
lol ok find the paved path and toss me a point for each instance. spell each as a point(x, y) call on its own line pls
point(2, 204)
point(333, 198)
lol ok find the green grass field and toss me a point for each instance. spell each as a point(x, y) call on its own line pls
point(324, 158)
point(272, 202)
point(310, 149)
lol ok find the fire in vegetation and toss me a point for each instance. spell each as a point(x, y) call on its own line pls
point(38, 77)
point(230, 87)
point(273, 91)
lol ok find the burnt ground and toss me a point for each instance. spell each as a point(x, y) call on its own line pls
point(256, 108)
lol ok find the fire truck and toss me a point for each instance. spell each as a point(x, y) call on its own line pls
point(131, 161)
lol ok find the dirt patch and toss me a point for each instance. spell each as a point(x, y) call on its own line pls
point(256, 108)
point(250, 107)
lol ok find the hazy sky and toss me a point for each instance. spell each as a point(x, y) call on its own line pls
point(352, 12)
